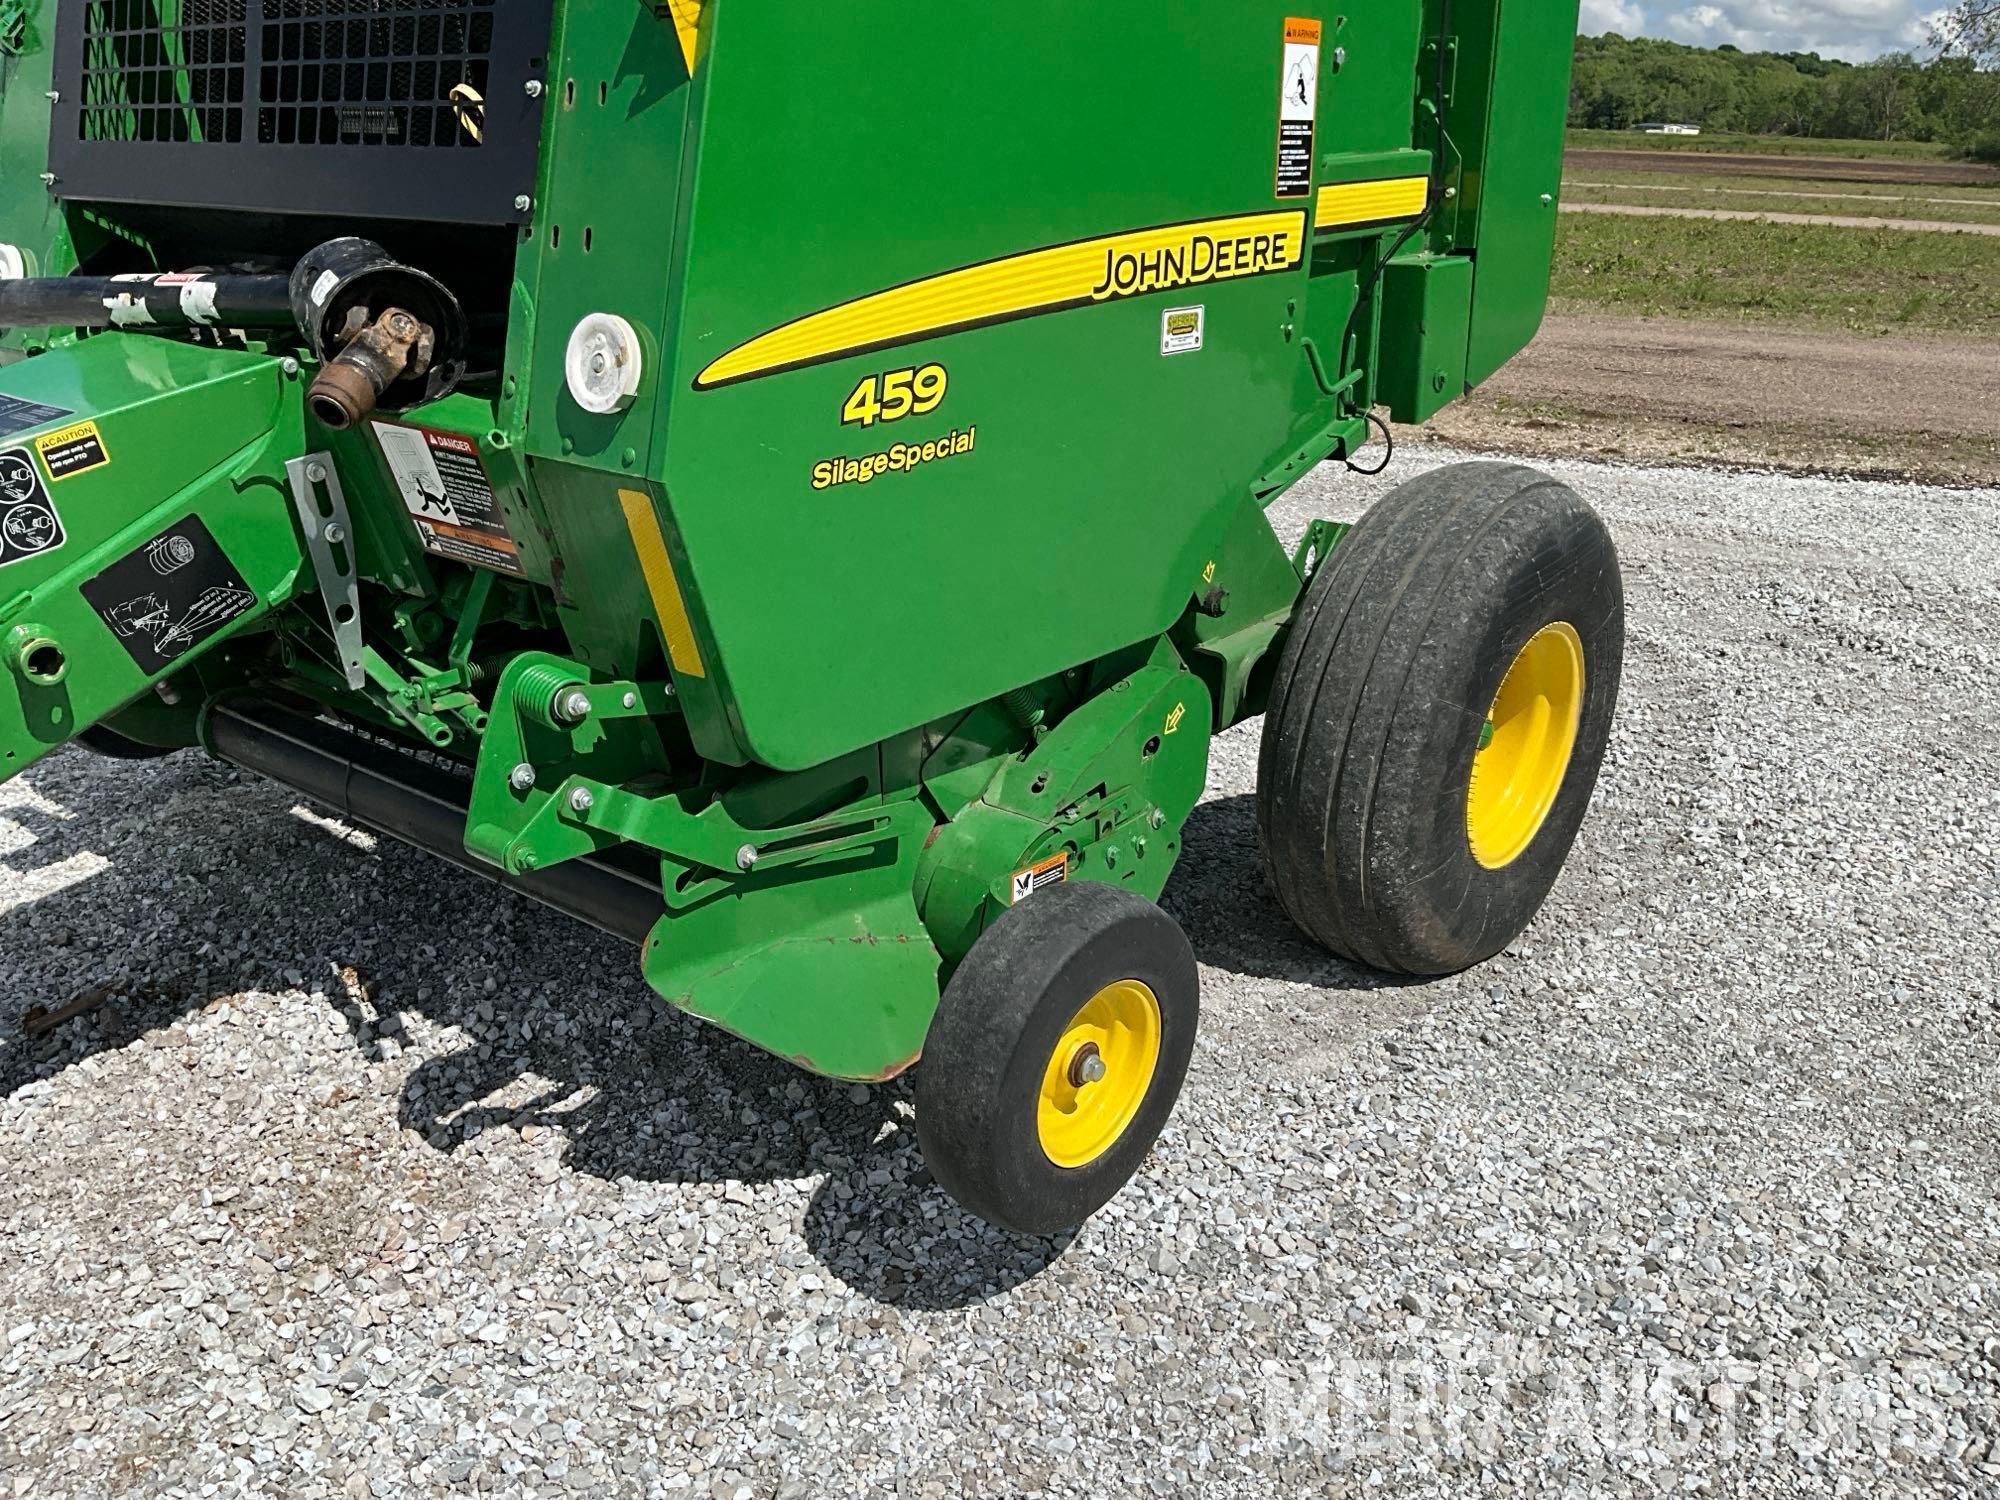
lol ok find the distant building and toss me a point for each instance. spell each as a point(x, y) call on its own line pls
point(1657, 128)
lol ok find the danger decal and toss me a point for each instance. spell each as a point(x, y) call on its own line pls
point(449, 495)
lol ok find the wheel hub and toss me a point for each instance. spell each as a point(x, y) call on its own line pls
point(1099, 1074)
point(1526, 747)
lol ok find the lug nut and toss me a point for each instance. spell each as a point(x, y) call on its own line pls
point(581, 801)
point(1087, 1067)
point(522, 778)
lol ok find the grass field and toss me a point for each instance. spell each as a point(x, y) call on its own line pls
point(1788, 195)
point(1758, 145)
point(1862, 281)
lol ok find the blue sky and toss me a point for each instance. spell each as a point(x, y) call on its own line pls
point(1854, 29)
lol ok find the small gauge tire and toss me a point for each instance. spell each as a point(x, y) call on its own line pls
point(1005, 1019)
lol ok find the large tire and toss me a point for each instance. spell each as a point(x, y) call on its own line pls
point(1009, 1123)
point(1401, 826)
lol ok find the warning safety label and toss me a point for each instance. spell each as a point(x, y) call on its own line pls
point(72, 450)
point(167, 597)
point(17, 415)
point(29, 525)
point(1298, 107)
point(447, 492)
point(1038, 878)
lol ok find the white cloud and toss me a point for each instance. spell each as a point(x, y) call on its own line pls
point(1625, 17)
point(1856, 30)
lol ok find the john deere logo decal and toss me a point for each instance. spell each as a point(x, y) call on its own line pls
point(1057, 279)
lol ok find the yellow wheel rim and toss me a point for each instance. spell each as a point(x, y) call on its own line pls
point(1099, 1074)
point(1527, 747)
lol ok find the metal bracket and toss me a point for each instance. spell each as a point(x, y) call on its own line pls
point(322, 509)
point(1321, 539)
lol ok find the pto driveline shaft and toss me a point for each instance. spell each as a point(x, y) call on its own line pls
point(164, 301)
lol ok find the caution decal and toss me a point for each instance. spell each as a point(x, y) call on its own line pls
point(73, 450)
point(1062, 277)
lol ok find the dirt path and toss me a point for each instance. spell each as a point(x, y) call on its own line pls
point(1819, 197)
point(1815, 168)
point(1746, 216)
point(1654, 389)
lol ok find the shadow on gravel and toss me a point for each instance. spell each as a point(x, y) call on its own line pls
point(226, 891)
point(1221, 898)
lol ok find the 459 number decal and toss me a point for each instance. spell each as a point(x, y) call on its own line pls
point(895, 395)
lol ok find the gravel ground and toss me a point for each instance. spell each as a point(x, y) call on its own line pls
point(365, 1180)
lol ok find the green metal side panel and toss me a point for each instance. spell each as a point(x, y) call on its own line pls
point(176, 530)
point(29, 217)
point(1427, 303)
point(1098, 472)
point(1508, 117)
point(604, 227)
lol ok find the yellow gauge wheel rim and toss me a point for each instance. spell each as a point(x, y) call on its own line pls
point(1528, 743)
point(1099, 1074)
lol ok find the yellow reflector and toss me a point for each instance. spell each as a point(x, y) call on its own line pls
point(1349, 203)
point(687, 22)
point(675, 626)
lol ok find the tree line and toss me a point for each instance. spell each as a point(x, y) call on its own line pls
point(1953, 98)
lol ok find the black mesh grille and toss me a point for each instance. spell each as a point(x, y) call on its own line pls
point(303, 105)
point(409, 74)
point(147, 80)
point(328, 72)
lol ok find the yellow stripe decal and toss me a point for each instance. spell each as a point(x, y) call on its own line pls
point(1352, 203)
point(1132, 264)
point(675, 626)
point(687, 22)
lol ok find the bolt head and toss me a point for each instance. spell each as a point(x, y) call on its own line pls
point(1088, 1067)
point(523, 203)
point(532, 88)
point(55, 96)
point(335, 533)
point(316, 473)
point(631, 700)
point(581, 800)
point(289, 366)
point(1156, 820)
point(746, 857)
point(522, 778)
